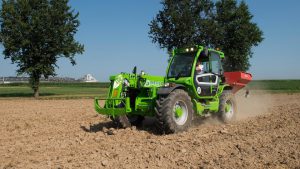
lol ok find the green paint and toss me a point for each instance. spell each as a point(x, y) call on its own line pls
point(198, 107)
point(227, 107)
point(178, 112)
point(142, 88)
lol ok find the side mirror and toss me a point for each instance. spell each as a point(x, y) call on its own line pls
point(206, 52)
point(134, 70)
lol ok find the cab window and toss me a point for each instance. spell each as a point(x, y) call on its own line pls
point(215, 63)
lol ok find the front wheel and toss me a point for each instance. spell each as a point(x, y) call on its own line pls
point(227, 108)
point(125, 121)
point(122, 121)
point(175, 112)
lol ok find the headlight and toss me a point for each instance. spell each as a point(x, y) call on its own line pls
point(167, 84)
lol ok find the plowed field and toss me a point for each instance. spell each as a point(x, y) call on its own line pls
point(69, 134)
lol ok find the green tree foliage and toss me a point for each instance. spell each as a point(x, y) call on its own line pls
point(223, 24)
point(181, 23)
point(237, 33)
point(36, 33)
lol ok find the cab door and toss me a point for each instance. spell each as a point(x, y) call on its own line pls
point(207, 83)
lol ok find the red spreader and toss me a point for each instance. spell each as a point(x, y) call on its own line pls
point(237, 80)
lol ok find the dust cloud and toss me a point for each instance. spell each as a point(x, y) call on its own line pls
point(256, 103)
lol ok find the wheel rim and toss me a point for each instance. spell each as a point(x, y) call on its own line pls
point(180, 112)
point(229, 111)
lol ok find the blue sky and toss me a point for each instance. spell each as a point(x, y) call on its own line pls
point(115, 35)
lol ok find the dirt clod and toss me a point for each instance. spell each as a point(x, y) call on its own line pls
point(111, 131)
point(104, 163)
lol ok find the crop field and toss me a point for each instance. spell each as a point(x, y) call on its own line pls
point(56, 90)
point(279, 86)
point(91, 90)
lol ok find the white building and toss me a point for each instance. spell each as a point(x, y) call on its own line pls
point(88, 78)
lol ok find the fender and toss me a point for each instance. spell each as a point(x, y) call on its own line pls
point(168, 90)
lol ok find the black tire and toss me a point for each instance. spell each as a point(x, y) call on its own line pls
point(127, 121)
point(122, 121)
point(136, 120)
point(228, 114)
point(168, 119)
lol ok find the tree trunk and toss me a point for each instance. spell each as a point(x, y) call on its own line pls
point(36, 93)
point(35, 84)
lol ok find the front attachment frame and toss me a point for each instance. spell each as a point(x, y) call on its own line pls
point(112, 106)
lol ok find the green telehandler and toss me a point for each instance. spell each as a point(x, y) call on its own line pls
point(174, 99)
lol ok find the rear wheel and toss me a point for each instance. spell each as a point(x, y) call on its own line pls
point(227, 108)
point(175, 112)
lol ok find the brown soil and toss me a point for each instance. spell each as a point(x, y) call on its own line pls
point(69, 134)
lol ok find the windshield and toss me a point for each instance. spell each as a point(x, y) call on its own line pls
point(181, 65)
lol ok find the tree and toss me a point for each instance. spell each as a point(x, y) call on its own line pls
point(36, 33)
point(223, 24)
point(179, 24)
point(237, 33)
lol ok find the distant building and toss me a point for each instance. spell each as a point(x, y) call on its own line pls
point(88, 78)
point(3, 81)
point(14, 79)
point(17, 79)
